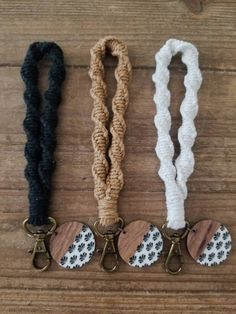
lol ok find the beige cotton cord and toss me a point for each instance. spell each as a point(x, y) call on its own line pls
point(108, 154)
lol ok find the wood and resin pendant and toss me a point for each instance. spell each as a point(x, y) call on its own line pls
point(72, 245)
point(140, 243)
point(209, 242)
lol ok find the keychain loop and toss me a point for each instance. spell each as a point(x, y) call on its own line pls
point(208, 241)
point(108, 142)
point(31, 234)
point(120, 223)
point(181, 235)
point(39, 125)
point(175, 175)
point(108, 153)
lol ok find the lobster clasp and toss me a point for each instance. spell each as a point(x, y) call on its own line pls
point(41, 258)
point(109, 248)
point(174, 252)
point(40, 249)
point(175, 249)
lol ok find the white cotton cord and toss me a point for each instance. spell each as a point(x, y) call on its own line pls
point(175, 175)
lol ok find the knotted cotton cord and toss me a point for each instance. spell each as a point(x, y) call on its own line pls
point(39, 125)
point(175, 175)
point(108, 155)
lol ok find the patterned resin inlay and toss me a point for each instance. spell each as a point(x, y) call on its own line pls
point(73, 245)
point(217, 249)
point(211, 250)
point(140, 244)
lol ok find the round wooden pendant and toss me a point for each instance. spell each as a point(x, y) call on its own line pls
point(72, 245)
point(140, 243)
point(209, 243)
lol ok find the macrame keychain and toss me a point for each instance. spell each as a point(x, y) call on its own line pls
point(71, 244)
point(139, 243)
point(208, 241)
point(39, 125)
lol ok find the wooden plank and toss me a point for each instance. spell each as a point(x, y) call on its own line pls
point(71, 302)
point(212, 190)
point(77, 25)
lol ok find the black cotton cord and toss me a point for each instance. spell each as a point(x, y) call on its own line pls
point(39, 125)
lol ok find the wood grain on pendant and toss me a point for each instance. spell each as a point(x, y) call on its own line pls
point(131, 237)
point(200, 235)
point(63, 237)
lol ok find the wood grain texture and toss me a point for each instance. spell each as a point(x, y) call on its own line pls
point(62, 238)
point(144, 26)
point(200, 235)
point(131, 237)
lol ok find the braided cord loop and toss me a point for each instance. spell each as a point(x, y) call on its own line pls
point(175, 175)
point(39, 125)
point(106, 169)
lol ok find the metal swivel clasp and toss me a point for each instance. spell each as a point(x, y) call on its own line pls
point(109, 248)
point(41, 258)
point(38, 249)
point(175, 249)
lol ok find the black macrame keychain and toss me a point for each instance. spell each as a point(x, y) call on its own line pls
point(39, 125)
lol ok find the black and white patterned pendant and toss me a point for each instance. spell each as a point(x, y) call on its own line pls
point(72, 245)
point(140, 244)
point(209, 243)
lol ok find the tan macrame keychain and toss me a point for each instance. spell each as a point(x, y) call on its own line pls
point(108, 154)
point(140, 242)
point(107, 173)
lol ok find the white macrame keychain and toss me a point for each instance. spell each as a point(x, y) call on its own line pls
point(208, 242)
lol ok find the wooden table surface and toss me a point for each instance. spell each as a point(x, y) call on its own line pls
point(144, 26)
